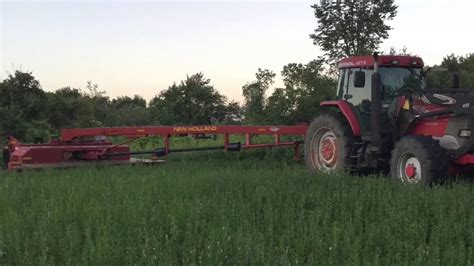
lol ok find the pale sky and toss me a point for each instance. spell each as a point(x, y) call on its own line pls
point(130, 48)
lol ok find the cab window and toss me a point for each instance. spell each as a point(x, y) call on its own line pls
point(342, 83)
point(360, 95)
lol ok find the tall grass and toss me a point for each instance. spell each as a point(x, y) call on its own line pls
point(218, 208)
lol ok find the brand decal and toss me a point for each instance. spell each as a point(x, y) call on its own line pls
point(195, 129)
point(352, 64)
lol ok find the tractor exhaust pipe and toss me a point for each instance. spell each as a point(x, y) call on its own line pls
point(376, 107)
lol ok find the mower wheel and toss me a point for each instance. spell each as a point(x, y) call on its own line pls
point(328, 143)
point(419, 160)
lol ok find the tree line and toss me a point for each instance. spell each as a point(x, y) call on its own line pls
point(34, 115)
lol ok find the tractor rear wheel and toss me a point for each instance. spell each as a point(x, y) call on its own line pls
point(419, 160)
point(328, 143)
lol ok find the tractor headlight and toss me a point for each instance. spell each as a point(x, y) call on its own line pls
point(464, 133)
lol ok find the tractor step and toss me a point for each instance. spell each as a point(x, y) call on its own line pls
point(354, 155)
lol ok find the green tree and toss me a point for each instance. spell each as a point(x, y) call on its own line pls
point(306, 85)
point(310, 85)
point(280, 108)
point(347, 28)
point(463, 65)
point(64, 106)
point(21, 101)
point(254, 94)
point(127, 111)
point(193, 101)
point(70, 107)
point(233, 113)
point(99, 102)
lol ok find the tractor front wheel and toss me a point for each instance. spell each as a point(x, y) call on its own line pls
point(328, 143)
point(419, 160)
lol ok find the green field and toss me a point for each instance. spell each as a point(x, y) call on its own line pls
point(257, 208)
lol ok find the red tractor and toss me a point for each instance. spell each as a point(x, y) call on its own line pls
point(385, 120)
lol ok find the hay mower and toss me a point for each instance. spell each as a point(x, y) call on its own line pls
point(92, 146)
point(382, 120)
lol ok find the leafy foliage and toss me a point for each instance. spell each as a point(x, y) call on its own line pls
point(463, 65)
point(69, 107)
point(127, 111)
point(254, 94)
point(33, 115)
point(193, 101)
point(309, 85)
point(233, 113)
point(306, 85)
point(347, 28)
point(21, 99)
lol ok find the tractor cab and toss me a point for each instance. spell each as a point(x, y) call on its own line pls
point(396, 72)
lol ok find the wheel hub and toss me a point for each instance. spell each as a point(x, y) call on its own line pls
point(328, 148)
point(410, 171)
point(326, 154)
point(409, 168)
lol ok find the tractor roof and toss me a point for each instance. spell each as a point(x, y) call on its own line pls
point(367, 61)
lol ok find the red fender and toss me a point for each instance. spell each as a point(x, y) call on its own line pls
point(346, 110)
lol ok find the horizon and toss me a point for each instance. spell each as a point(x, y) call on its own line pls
point(142, 48)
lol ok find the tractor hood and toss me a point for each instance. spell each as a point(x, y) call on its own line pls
point(459, 102)
point(446, 116)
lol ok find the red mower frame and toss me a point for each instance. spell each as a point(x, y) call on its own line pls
point(90, 146)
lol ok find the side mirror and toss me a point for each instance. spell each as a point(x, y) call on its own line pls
point(359, 79)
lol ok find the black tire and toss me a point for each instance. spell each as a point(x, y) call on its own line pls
point(420, 152)
point(330, 128)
